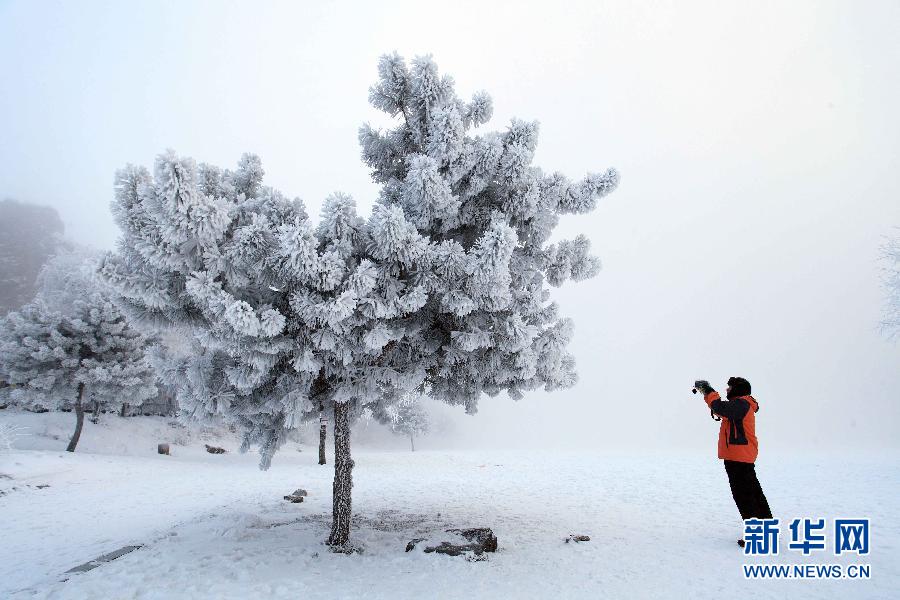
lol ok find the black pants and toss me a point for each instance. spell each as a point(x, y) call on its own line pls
point(747, 492)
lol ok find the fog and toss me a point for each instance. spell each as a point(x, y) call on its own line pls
point(758, 143)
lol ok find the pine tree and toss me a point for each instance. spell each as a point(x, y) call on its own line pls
point(73, 347)
point(441, 291)
point(410, 419)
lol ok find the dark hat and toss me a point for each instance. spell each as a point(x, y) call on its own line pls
point(739, 386)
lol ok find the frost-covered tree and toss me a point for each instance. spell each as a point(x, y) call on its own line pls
point(891, 258)
point(73, 347)
point(167, 352)
point(411, 420)
point(323, 432)
point(442, 290)
point(68, 276)
point(29, 234)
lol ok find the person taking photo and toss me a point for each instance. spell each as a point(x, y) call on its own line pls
point(738, 446)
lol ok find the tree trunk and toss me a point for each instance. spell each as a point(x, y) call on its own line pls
point(412, 443)
point(323, 427)
point(95, 418)
point(124, 411)
point(343, 477)
point(79, 420)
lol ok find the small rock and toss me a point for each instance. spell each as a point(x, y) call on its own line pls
point(162, 449)
point(297, 496)
point(578, 538)
point(480, 535)
point(454, 549)
point(481, 540)
point(215, 449)
point(412, 543)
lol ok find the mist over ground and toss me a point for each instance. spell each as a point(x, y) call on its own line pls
point(759, 147)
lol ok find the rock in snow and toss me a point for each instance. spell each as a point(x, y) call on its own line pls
point(478, 540)
point(412, 543)
point(296, 496)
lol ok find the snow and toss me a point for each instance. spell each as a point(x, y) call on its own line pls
point(215, 526)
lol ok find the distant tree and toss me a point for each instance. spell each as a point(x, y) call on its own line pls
point(891, 258)
point(442, 290)
point(71, 350)
point(170, 349)
point(410, 419)
point(70, 274)
point(323, 432)
point(29, 234)
point(67, 277)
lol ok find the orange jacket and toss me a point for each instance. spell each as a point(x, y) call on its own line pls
point(737, 434)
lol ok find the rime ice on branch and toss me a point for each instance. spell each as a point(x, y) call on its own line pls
point(442, 290)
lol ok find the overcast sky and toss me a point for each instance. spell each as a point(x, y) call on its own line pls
point(759, 147)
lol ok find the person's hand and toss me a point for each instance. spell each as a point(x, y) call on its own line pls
point(702, 386)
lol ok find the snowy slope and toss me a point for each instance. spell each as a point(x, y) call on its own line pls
point(216, 527)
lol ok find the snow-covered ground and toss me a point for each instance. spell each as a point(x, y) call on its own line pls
point(214, 526)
